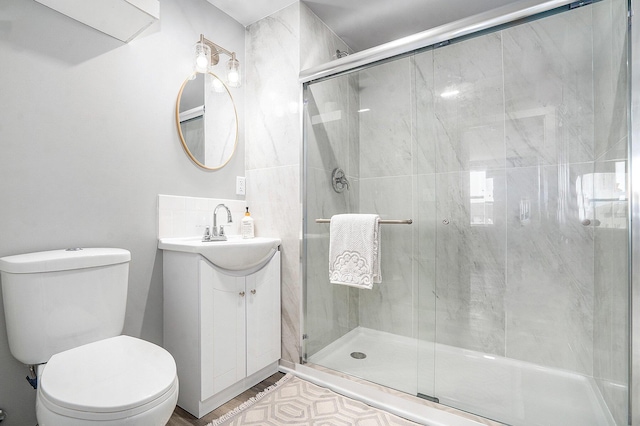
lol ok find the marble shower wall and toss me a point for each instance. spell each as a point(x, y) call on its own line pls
point(278, 46)
point(273, 153)
point(470, 188)
point(386, 188)
point(549, 131)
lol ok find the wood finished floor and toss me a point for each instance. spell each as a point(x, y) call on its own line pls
point(181, 418)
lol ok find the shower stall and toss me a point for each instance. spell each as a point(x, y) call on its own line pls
point(504, 155)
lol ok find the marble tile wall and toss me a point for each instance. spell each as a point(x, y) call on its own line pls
point(273, 121)
point(549, 300)
point(273, 152)
point(386, 188)
point(549, 130)
point(469, 105)
point(470, 189)
point(470, 259)
point(549, 90)
point(388, 306)
point(277, 47)
point(385, 120)
point(461, 197)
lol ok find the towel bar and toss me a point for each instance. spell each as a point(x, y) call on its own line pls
point(382, 221)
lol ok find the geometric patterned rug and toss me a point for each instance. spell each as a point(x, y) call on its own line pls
point(293, 401)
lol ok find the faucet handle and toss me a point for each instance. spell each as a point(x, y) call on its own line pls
point(207, 234)
point(222, 233)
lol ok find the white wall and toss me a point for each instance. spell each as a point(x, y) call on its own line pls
point(88, 141)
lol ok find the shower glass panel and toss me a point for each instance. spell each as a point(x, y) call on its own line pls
point(362, 123)
point(507, 296)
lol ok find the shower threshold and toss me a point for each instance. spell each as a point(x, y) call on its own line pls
point(504, 389)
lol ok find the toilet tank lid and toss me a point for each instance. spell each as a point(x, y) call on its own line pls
point(62, 260)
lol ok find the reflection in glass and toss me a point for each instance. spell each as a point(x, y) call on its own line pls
point(602, 196)
point(480, 198)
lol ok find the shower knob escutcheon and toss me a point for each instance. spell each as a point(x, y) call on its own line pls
point(339, 180)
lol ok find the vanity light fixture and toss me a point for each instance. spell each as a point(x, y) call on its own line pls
point(208, 55)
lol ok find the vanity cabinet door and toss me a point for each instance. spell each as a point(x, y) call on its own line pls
point(222, 329)
point(263, 316)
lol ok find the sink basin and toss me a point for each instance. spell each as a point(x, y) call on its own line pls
point(234, 254)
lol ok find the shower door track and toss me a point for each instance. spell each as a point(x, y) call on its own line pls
point(442, 34)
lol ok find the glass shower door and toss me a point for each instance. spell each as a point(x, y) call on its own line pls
point(364, 123)
point(525, 205)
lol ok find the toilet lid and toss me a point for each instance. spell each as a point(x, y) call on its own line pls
point(109, 375)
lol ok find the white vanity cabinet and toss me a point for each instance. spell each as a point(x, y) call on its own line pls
point(222, 327)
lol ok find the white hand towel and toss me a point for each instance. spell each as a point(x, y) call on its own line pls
point(354, 250)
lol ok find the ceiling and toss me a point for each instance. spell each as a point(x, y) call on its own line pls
point(249, 11)
point(367, 23)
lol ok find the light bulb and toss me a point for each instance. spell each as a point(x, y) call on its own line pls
point(233, 72)
point(203, 55)
point(201, 61)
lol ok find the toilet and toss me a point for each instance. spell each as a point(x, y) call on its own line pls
point(64, 311)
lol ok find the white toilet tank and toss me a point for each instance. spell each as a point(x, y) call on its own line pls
point(57, 300)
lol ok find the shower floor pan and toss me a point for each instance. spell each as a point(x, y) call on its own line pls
point(503, 389)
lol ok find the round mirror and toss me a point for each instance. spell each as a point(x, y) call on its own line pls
point(207, 120)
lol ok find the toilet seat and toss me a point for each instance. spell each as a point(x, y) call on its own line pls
point(109, 379)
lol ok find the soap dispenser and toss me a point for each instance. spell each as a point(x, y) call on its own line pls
point(247, 225)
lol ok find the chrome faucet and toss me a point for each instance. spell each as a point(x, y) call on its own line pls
point(220, 234)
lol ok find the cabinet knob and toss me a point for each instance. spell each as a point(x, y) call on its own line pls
point(242, 294)
point(253, 291)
